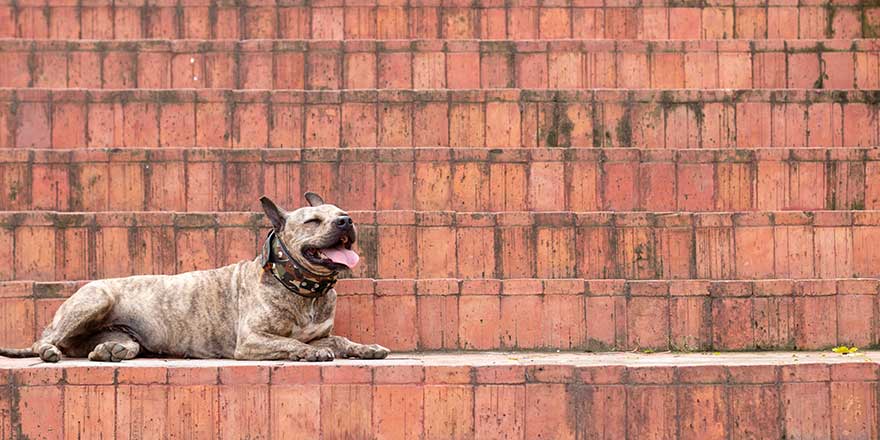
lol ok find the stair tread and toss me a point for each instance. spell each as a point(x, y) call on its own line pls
point(510, 360)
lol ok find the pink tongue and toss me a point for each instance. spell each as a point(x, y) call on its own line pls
point(341, 255)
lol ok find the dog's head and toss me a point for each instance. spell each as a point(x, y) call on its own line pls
point(319, 236)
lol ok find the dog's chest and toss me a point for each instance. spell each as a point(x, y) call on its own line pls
point(312, 330)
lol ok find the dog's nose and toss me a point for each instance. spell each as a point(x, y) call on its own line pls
point(343, 222)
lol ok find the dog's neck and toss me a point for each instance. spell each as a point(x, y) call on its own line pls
point(276, 260)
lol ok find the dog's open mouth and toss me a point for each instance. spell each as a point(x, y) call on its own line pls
point(338, 255)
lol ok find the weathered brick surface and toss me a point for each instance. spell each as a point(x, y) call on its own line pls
point(578, 180)
point(574, 396)
point(443, 64)
point(490, 19)
point(681, 246)
point(744, 119)
point(575, 314)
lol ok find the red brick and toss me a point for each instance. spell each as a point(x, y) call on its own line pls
point(89, 411)
point(704, 411)
point(451, 411)
point(648, 320)
point(346, 411)
point(200, 402)
point(651, 412)
point(244, 410)
point(322, 126)
point(438, 322)
point(41, 411)
point(466, 125)
point(324, 70)
point(289, 70)
point(599, 410)
point(177, 125)
point(436, 251)
point(475, 252)
point(295, 408)
point(499, 411)
point(250, 125)
point(395, 125)
point(804, 70)
point(141, 127)
point(33, 129)
point(359, 125)
point(50, 70)
point(141, 411)
point(754, 246)
point(396, 322)
point(810, 332)
point(754, 411)
point(213, 125)
point(398, 411)
point(479, 322)
point(546, 412)
point(430, 122)
point(806, 409)
point(620, 186)
point(461, 68)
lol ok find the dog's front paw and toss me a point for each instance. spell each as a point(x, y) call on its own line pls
point(373, 351)
point(311, 354)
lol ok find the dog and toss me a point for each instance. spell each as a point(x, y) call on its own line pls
point(279, 306)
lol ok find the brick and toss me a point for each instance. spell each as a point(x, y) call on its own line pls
point(754, 411)
point(398, 411)
point(809, 413)
point(89, 410)
point(243, 409)
point(396, 322)
point(41, 411)
point(479, 325)
point(438, 322)
point(546, 414)
point(141, 411)
point(499, 411)
point(201, 403)
point(648, 320)
point(704, 411)
point(451, 410)
point(651, 412)
point(346, 410)
point(295, 408)
point(598, 407)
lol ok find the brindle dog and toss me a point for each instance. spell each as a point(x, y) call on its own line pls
point(241, 311)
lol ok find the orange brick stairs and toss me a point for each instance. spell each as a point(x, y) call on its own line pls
point(546, 192)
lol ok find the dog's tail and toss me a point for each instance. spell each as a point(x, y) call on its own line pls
point(17, 352)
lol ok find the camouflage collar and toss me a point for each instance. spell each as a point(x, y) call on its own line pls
point(276, 259)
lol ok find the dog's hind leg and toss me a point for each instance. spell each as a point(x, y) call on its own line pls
point(111, 346)
point(81, 313)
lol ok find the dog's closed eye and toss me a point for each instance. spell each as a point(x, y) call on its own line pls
point(312, 221)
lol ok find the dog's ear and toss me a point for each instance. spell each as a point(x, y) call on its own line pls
point(276, 215)
point(314, 199)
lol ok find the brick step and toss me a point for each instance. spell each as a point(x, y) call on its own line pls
point(494, 19)
point(558, 314)
point(442, 179)
point(441, 64)
point(484, 395)
point(40, 118)
point(47, 246)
